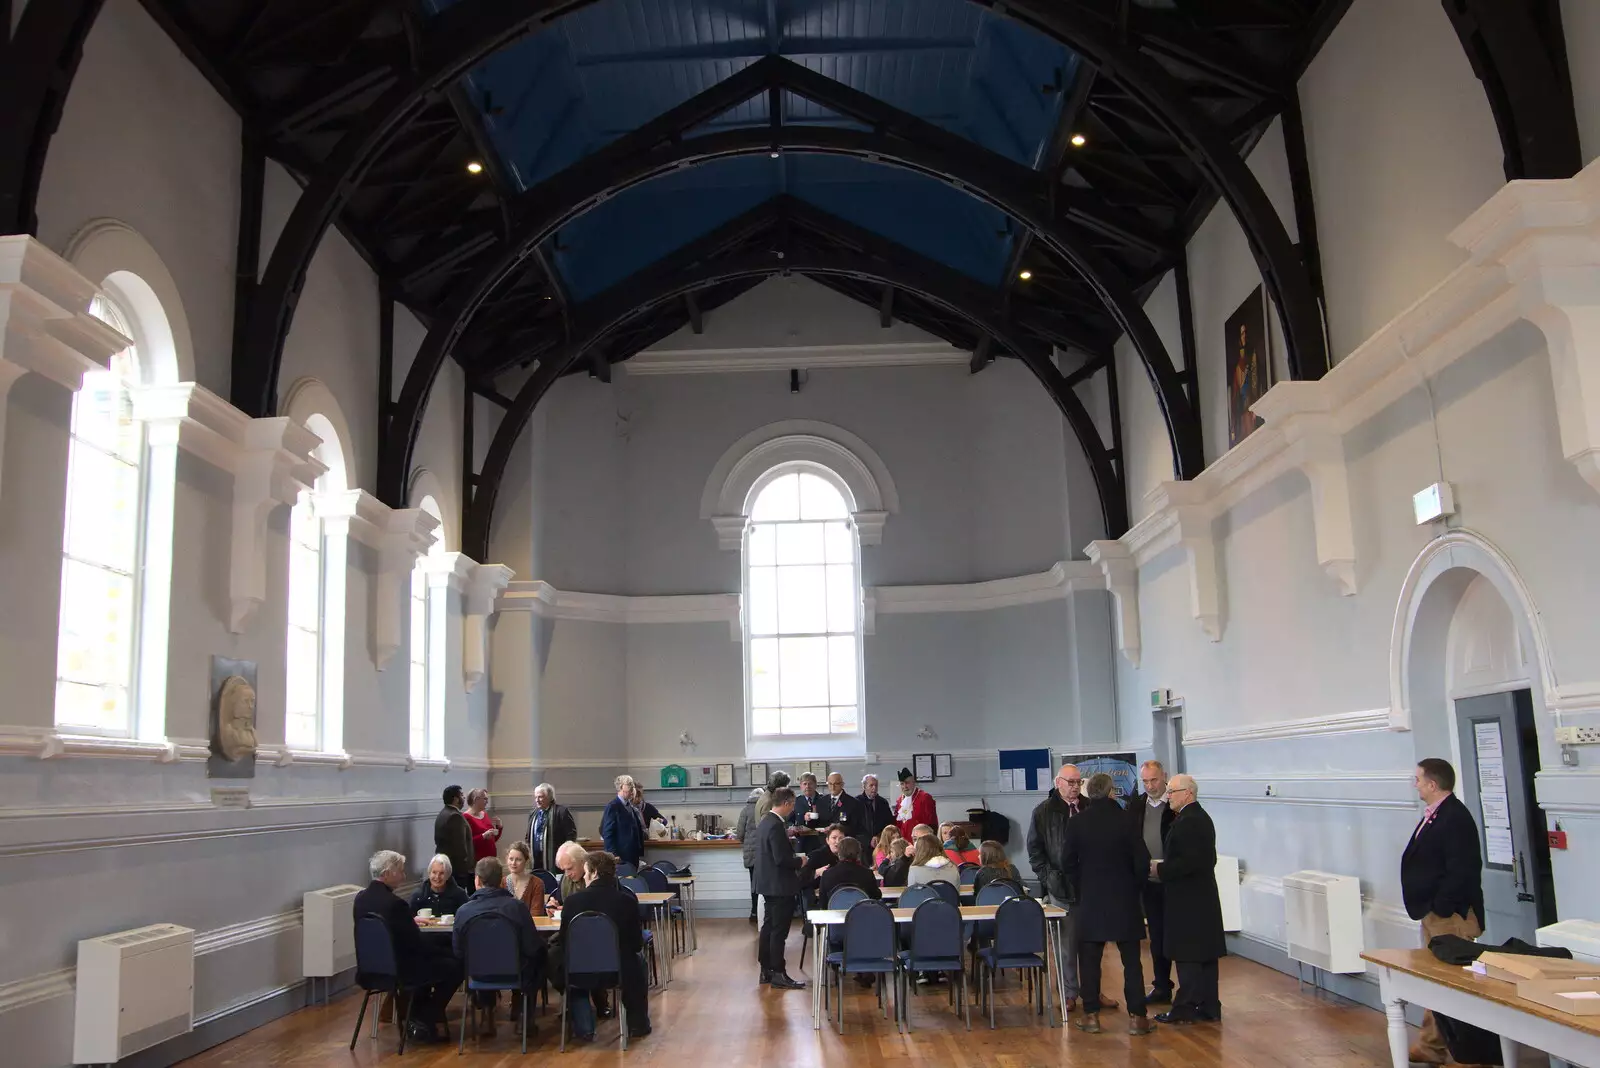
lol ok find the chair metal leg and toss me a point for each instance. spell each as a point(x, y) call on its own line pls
point(526, 997)
point(991, 998)
point(622, 1014)
point(366, 997)
point(966, 1002)
point(466, 1017)
point(565, 995)
point(405, 1024)
point(840, 1009)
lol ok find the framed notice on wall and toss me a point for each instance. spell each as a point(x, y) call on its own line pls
point(758, 774)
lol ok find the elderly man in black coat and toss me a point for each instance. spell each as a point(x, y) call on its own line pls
point(1107, 864)
point(1188, 874)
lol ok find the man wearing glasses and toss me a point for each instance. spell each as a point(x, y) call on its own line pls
point(1150, 814)
point(1047, 852)
point(1193, 935)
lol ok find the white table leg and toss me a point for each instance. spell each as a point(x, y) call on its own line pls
point(694, 930)
point(1508, 1051)
point(1395, 1009)
point(816, 977)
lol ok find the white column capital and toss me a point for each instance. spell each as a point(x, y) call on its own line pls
point(1303, 413)
point(1189, 506)
point(1115, 561)
point(484, 586)
point(271, 464)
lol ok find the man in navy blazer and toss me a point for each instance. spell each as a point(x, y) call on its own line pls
point(620, 827)
point(1441, 878)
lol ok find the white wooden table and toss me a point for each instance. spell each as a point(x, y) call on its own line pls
point(1417, 977)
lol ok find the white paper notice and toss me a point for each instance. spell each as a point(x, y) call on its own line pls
point(1006, 781)
point(1045, 778)
point(1496, 808)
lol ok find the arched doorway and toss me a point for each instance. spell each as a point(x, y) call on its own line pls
point(1466, 660)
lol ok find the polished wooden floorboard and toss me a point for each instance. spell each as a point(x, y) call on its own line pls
point(714, 1014)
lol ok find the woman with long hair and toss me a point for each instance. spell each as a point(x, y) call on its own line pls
point(929, 864)
point(887, 837)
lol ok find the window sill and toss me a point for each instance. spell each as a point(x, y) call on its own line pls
point(49, 743)
point(814, 747)
point(427, 764)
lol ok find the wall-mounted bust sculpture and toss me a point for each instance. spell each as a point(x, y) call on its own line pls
point(236, 718)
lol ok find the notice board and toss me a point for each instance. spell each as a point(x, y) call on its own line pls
point(1025, 770)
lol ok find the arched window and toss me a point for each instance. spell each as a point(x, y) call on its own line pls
point(427, 706)
point(802, 611)
point(316, 591)
point(96, 653)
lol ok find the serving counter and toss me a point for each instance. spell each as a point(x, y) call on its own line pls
point(722, 885)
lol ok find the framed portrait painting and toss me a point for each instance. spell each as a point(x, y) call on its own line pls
point(1248, 364)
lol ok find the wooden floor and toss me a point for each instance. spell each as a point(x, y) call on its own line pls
point(714, 1014)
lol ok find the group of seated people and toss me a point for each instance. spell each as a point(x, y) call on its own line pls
point(938, 856)
point(436, 965)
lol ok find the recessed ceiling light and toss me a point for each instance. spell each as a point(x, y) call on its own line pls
point(1078, 140)
point(474, 167)
point(1025, 275)
point(776, 154)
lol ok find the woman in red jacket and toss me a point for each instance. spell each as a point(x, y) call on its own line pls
point(914, 806)
point(485, 828)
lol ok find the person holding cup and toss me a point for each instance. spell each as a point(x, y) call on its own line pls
point(439, 894)
point(809, 806)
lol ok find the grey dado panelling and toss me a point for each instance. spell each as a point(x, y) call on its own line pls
point(141, 843)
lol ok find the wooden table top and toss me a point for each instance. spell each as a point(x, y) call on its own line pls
point(593, 844)
point(1424, 965)
point(968, 912)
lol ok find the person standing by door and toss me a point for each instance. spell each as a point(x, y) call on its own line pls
point(778, 882)
point(1441, 878)
point(1150, 816)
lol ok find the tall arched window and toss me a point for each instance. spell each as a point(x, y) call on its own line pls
point(316, 589)
point(427, 706)
point(802, 609)
point(102, 548)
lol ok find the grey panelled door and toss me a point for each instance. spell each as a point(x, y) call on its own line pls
point(1492, 783)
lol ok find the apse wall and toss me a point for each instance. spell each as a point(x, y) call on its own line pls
point(980, 466)
point(1287, 711)
point(143, 175)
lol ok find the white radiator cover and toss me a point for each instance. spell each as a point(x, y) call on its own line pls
point(1582, 937)
point(1228, 893)
point(328, 937)
point(1322, 917)
point(135, 989)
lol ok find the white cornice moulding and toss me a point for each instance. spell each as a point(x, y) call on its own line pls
point(805, 357)
point(448, 571)
point(543, 599)
point(45, 325)
point(1563, 791)
point(483, 588)
point(1121, 577)
point(1376, 719)
point(1337, 789)
point(400, 536)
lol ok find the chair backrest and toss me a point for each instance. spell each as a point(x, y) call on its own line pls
point(936, 930)
point(913, 896)
point(1019, 927)
point(968, 873)
point(636, 883)
point(657, 879)
point(375, 949)
point(626, 867)
point(665, 867)
point(996, 892)
point(949, 891)
point(591, 945)
point(492, 952)
point(869, 933)
point(551, 881)
point(845, 896)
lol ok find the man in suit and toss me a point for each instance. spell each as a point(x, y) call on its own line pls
point(1193, 936)
point(1441, 877)
point(876, 812)
point(1149, 816)
point(492, 899)
point(620, 826)
point(422, 960)
point(778, 882)
point(810, 810)
point(845, 810)
point(452, 836)
point(1047, 852)
point(1106, 864)
point(550, 826)
point(603, 894)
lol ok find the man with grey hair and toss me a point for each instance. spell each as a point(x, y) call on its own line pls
point(809, 807)
point(621, 826)
point(428, 965)
point(1194, 938)
point(876, 813)
point(549, 826)
point(1149, 818)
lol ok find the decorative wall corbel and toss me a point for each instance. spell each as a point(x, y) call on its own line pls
point(272, 466)
point(45, 325)
point(399, 535)
point(483, 588)
point(1116, 563)
point(1300, 411)
point(1187, 503)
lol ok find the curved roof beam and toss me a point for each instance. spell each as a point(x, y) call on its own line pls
point(898, 140)
point(651, 288)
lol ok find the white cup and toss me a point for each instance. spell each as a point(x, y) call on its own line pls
point(424, 914)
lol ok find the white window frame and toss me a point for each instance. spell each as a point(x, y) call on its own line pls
point(787, 746)
point(134, 724)
point(305, 512)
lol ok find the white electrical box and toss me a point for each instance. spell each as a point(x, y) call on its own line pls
point(1160, 698)
point(1322, 914)
point(135, 989)
point(328, 931)
point(1578, 735)
point(1435, 502)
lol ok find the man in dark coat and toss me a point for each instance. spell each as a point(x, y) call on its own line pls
point(846, 811)
point(778, 882)
point(1149, 816)
point(1047, 852)
point(1107, 864)
point(549, 826)
point(491, 898)
point(810, 808)
point(452, 836)
point(621, 829)
point(1441, 877)
point(422, 959)
point(603, 894)
point(876, 812)
point(1194, 938)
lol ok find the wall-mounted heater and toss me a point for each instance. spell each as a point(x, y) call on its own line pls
point(1322, 914)
point(135, 989)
